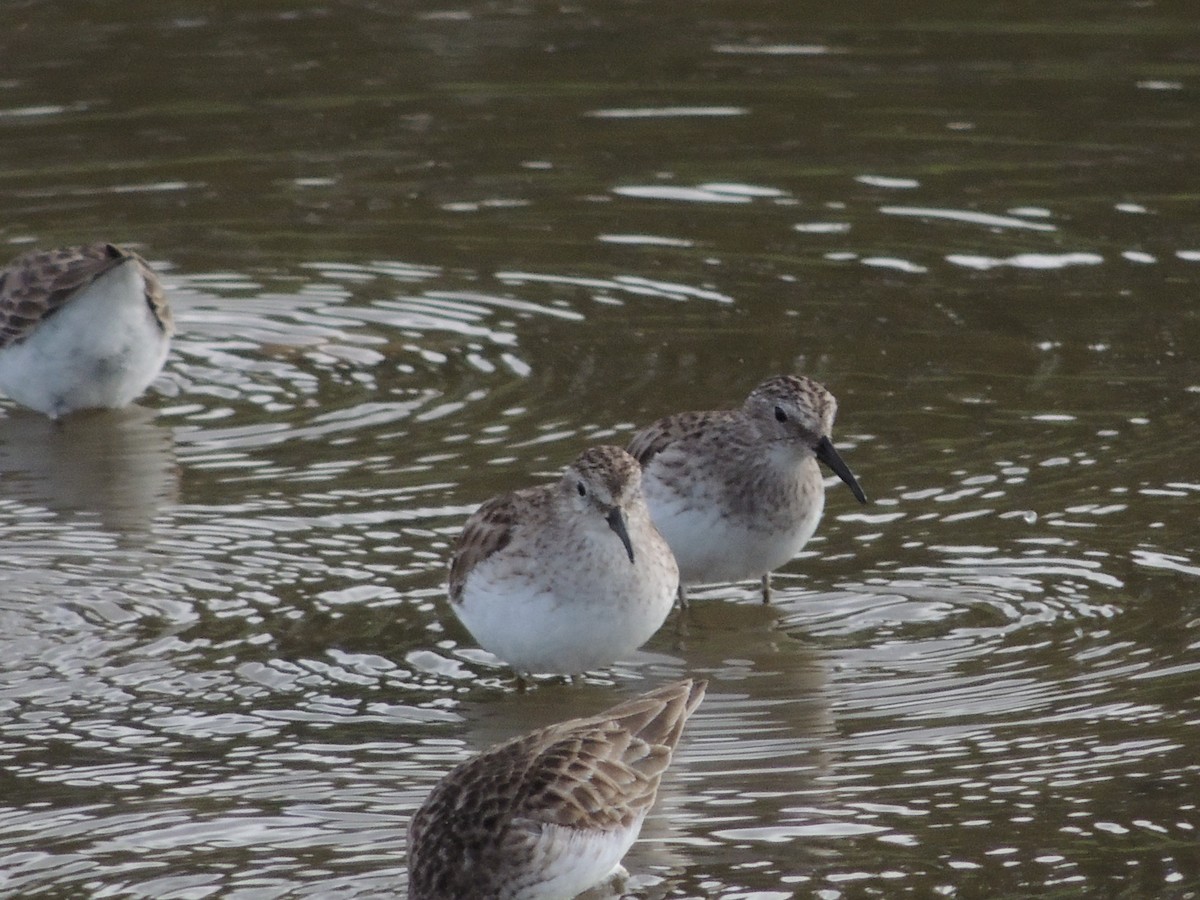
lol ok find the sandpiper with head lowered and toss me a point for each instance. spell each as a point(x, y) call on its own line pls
point(737, 493)
point(565, 577)
point(81, 328)
point(548, 815)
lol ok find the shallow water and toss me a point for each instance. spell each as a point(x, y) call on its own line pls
point(420, 257)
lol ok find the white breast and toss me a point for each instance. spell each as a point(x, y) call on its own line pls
point(715, 544)
point(101, 349)
point(565, 862)
point(569, 613)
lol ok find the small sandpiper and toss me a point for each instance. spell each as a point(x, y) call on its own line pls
point(566, 577)
point(81, 328)
point(548, 815)
point(737, 493)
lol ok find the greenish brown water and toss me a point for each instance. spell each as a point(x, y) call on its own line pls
point(419, 256)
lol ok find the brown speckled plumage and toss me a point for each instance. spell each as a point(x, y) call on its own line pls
point(616, 470)
point(491, 527)
point(685, 427)
point(568, 576)
point(488, 531)
point(738, 492)
point(35, 285)
point(477, 835)
point(750, 425)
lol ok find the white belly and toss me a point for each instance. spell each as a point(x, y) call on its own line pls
point(711, 545)
point(565, 862)
point(101, 349)
point(567, 620)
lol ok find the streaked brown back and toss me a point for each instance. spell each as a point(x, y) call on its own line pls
point(35, 285)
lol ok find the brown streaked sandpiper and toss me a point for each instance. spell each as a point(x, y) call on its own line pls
point(548, 815)
point(81, 328)
point(565, 577)
point(737, 493)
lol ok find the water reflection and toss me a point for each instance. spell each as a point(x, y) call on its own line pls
point(444, 250)
point(118, 465)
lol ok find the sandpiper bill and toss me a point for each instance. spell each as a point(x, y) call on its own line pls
point(548, 815)
point(737, 493)
point(81, 328)
point(565, 577)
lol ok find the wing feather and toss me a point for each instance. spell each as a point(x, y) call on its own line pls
point(603, 773)
point(37, 284)
point(489, 530)
point(593, 774)
point(655, 438)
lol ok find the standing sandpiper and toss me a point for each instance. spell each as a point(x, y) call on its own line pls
point(548, 815)
point(81, 328)
point(565, 577)
point(737, 493)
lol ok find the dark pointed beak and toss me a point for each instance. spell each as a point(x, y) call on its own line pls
point(829, 456)
point(616, 522)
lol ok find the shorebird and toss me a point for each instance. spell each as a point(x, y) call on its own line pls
point(548, 815)
point(737, 493)
point(81, 328)
point(565, 577)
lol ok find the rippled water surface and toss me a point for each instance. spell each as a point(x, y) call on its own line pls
point(420, 255)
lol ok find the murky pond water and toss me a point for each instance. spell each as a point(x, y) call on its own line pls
point(421, 255)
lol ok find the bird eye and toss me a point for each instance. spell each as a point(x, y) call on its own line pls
point(582, 490)
point(780, 415)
